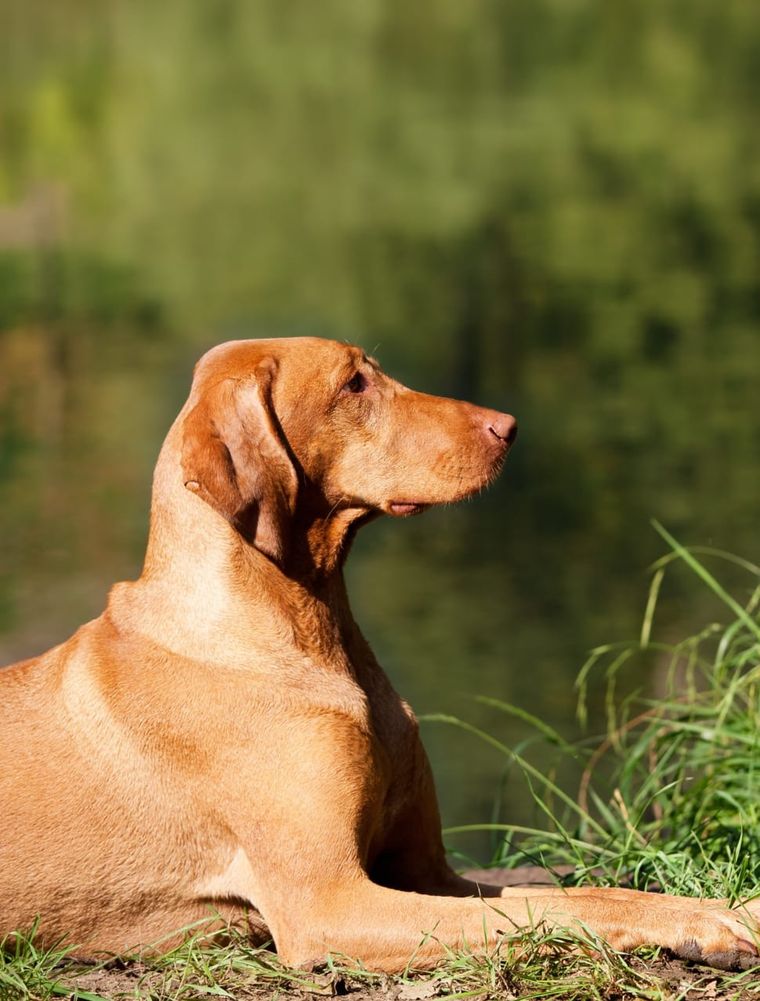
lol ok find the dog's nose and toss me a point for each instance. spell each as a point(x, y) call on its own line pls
point(503, 427)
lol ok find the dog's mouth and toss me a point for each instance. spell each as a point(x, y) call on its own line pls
point(404, 508)
point(478, 481)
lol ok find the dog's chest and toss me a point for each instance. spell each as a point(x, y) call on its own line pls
point(364, 698)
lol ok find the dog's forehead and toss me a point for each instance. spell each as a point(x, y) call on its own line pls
point(316, 354)
point(294, 355)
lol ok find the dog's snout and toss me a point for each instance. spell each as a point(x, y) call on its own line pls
point(503, 427)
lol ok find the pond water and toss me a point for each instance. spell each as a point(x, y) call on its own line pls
point(549, 208)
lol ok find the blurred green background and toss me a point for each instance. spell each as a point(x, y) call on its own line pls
point(547, 206)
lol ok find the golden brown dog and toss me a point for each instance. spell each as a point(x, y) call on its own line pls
point(222, 738)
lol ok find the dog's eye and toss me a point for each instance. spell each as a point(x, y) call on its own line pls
point(356, 384)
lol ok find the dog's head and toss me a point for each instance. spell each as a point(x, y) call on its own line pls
point(273, 424)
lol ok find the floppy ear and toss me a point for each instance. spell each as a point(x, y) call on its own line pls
point(233, 458)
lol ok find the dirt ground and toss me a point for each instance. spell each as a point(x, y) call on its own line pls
point(677, 980)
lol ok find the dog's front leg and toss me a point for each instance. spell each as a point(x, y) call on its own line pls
point(385, 929)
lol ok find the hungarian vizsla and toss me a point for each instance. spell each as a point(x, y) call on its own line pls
point(222, 740)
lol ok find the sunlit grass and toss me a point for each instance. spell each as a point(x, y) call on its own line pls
point(536, 964)
point(670, 797)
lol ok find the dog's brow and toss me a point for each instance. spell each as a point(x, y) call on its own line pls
point(346, 371)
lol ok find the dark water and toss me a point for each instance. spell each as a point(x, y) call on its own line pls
point(549, 208)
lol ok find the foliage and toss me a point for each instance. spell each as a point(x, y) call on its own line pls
point(670, 798)
point(551, 207)
point(537, 964)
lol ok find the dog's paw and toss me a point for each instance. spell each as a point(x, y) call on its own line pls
point(726, 940)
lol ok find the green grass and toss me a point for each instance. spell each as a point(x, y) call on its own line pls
point(537, 964)
point(669, 798)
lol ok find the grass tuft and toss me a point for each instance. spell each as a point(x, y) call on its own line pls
point(670, 797)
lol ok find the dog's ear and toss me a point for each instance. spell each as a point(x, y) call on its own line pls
point(233, 457)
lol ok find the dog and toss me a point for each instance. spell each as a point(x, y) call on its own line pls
point(222, 740)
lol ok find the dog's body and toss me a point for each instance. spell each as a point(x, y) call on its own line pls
point(222, 738)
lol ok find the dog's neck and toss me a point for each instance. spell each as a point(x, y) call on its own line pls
point(209, 594)
point(322, 536)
